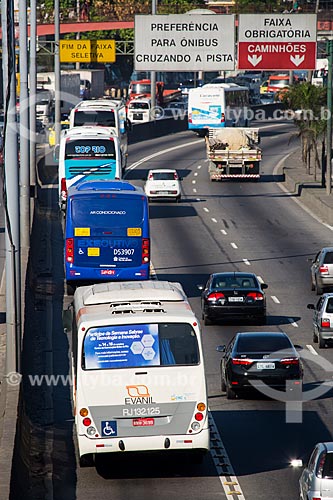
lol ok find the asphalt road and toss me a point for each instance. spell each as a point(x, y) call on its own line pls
point(242, 226)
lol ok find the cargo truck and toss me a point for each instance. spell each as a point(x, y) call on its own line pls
point(69, 88)
point(91, 82)
point(233, 153)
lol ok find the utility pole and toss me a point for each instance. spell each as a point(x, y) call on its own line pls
point(57, 89)
point(11, 193)
point(153, 73)
point(24, 130)
point(329, 119)
point(77, 64)
point(33, 91)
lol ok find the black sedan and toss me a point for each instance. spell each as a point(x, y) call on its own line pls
point(233, 295)
point(261, 360)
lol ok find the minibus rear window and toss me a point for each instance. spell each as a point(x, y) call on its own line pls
point(95, 117)
point(134, 346)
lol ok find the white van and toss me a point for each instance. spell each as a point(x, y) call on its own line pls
point(138, 370)
point(139, 110)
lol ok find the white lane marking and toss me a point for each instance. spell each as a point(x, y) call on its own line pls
point(195, 173)
point(194, 190)
point(222, 463)
point(260, 279)
point(233, 245)
point(299, 203)
point(275, 299)
point(312, 349)
point(205, 209)
point(247, 262)
point(292, 322)
point(193, 182)
point(223, 231)
point(164, 151)
point(214, 220)
point(199, 166)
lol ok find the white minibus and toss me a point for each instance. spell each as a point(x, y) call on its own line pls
point(138, 371)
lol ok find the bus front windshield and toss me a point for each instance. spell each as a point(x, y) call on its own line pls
point(90, 148)
point(135, 346)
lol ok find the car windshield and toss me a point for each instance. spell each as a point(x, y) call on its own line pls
point(328, 259)
point(262, 343)
point(234, 282)
point(163, 176)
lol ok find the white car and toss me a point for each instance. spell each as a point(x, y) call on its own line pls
point(163, 183)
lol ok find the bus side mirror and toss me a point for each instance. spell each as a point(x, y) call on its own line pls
point(56, 153)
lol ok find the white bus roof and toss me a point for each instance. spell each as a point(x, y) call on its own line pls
point(131, 291)
point(133, 301)
point(89, 131)
point(99, 103)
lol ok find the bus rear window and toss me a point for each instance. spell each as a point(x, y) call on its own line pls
point(96, 117)
point(135, 346)
point(107, 212)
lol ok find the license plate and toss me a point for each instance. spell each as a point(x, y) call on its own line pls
point(265, 366)
point(236, 299)
point(143, 422)
point(164, 192)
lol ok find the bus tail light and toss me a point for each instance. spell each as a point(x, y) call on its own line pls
point(145, 251)
point(201, 406)
point(70, 250)
point(83, 412)
point(86, 422)
point(63, 189)
point(199, 416)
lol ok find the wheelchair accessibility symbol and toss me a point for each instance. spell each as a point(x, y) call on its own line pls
point(109, 428)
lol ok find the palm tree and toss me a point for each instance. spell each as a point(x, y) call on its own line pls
point(308, 104)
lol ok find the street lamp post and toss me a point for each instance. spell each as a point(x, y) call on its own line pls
point(329, 119)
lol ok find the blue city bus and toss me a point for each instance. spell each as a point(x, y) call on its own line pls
point(106, 232)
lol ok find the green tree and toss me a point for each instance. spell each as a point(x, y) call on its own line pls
point(307, 103)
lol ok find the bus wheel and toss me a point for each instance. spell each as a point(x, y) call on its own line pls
point(87, 460)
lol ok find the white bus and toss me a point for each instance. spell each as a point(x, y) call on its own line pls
point(138, 371)
point(87, 153)
point(109, 113)
point(217, 105)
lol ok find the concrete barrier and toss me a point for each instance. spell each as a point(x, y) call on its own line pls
point(158, 128)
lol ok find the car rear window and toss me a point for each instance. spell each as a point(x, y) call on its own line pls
point(329, 306)
point(234, 282)
point(328, 259)
point(328, 467)
point(161, 176)
point(262, 343)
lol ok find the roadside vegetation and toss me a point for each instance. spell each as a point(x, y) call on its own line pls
point(308, 105)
